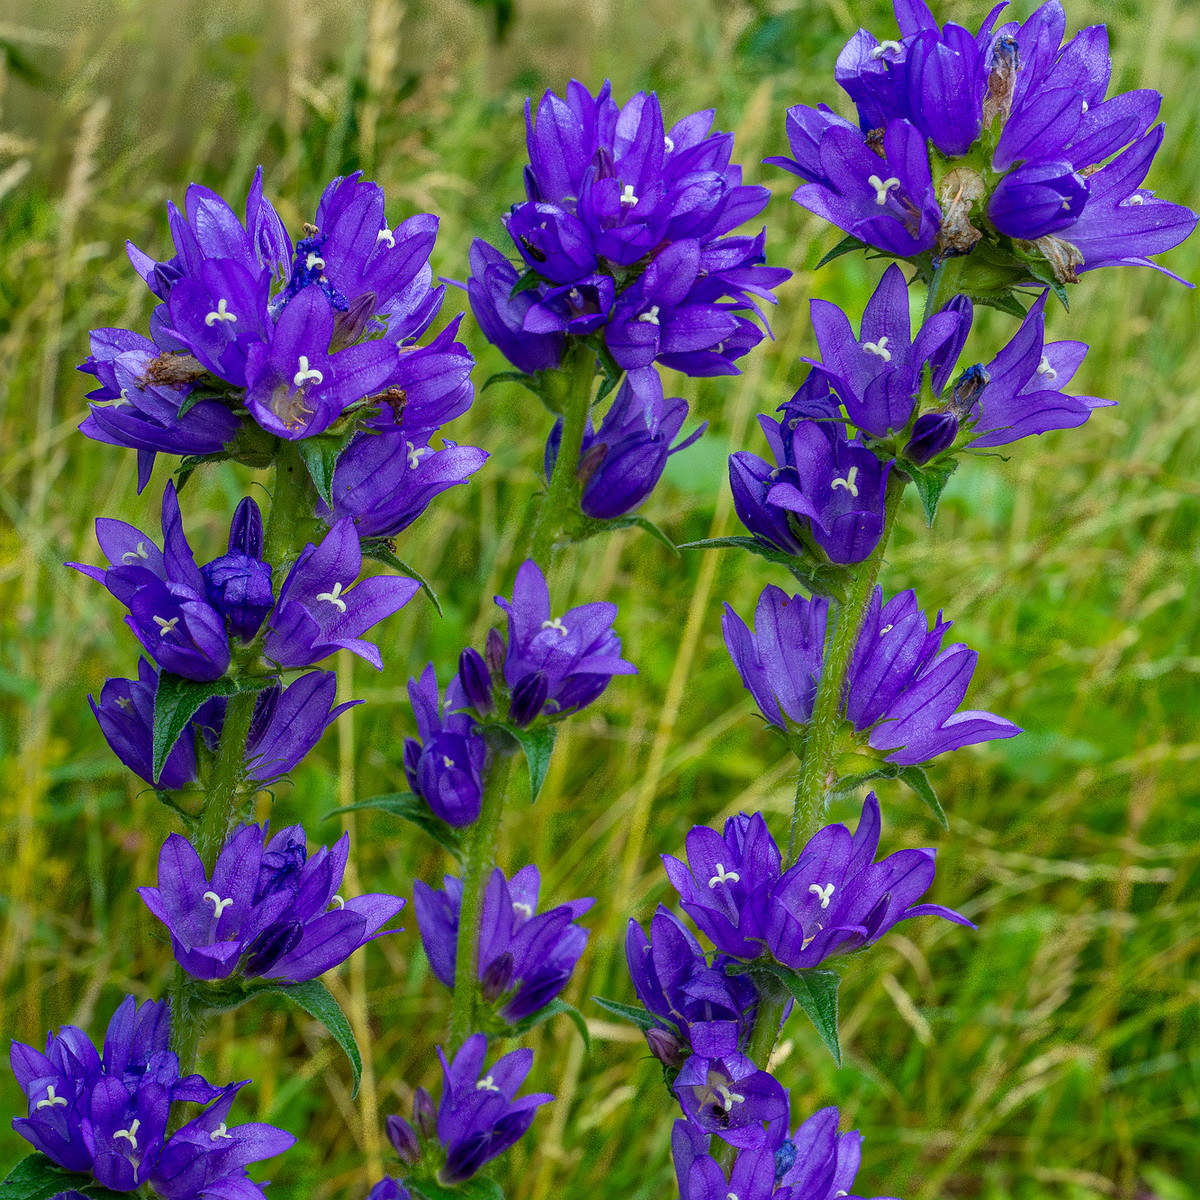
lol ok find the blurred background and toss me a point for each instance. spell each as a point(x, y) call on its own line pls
point(1052, 1054)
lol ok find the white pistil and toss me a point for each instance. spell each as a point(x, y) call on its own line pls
point(627, 196)
point(414, 454)
point(338, 901)
point(879, 50)
point(847, 483)
point(385, 235)
point(840, 1192)
point(882, 187)
point(486, 1084)
point(447, 760)
point(651, 317)
point(115, 402)
point(556, 623)
point(221, 313)
point(314, 260)
point(670, 145)
point(886, 629)
point(130, 1133)
point(334, 597)
point(306, 373)
point(729, 1098)
point(521, 907)
point(165, 626)
point(731, 1196)
point(1084, 107)
point(724, 876)
point(1136, 198)
point(139, 551)
point(51, 1099)
point(879, 349)
point(220, 1132)
point(1044, 368)
point(219, 905)
point(824, 892)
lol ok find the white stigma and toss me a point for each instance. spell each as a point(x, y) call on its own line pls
point(882, 187)
point(220, 1132)
point(651, 317)
point(385, 235)
point(847, 483)
point(670, 145)
point(575, 296)
point(486, 1084)
point(879, 349)
point(627, 196)
point(1134, 199)
point(556, 624)
point(1044, 368)
point(130, 1133)
point(729, 1098)
point(219, 314)
point(1085, 107)
point(139, 551)
point(879, 50)
point(115, 402)
point(314, 260)
point(306, 373)
point(724, 876)
point(447, 760)
point(165, 626)
point(338, 901)
point(731, 1196)
point(414, 454)
point(886, 629)
point(219, 905)
point(334, 597)
point(51, 1099)
point(521, 907)
point(824, 892)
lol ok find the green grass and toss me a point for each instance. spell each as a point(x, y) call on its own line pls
point(1054, 1053)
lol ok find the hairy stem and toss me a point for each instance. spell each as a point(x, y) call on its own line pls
point(575, 378)
point(479, 856)
point(946, 284)
point(812, 790)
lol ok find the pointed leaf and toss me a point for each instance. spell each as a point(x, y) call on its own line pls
point(847, 245)
point(530, 280)
point(815, 991)
point(538, 745)
point(411, 808)
point(520, 377)
point(38, 1177)
point(380, 549)
point(316, 1000)
point(187, 465)
point(321, 456)
point(930, 482)
point(640, 1017)
point(649, 526)
point(916, 779)
point(555, 1008)
point(175, 703)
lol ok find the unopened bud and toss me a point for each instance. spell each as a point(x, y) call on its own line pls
point(666, 1047)
point(404, 1140)
point(495, 651)
point(528, 698)
point(966, 391)
point(424, 1114)
point(475, 681)
point(497, 977)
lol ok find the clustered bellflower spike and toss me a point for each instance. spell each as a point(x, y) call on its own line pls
point(268, 911)
point(902, 690)
point(626, 236)
point(833, 900)
point(1000, 136)
point(478, 1118)
point(525, 957)
point(107, 1116)
point(816, 1163)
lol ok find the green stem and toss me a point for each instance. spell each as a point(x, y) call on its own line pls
point(187, 1024)
point(812, 789)
point(947, 283)
point(479, 856)
point(575, 378)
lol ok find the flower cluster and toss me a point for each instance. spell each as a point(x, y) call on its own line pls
point(106, 1116)
point(1004, 137)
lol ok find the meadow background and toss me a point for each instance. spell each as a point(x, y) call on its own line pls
point(1054, 1053)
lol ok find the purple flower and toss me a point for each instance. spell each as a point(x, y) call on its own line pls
point(621, 463)
point(731, 1097)
point(389, 1189)
point(525, 957)
point(1037, 199)
point(478, 1118)
point(288, 722)
point(319, 611)
point(238, 584)
point(566, 661)
point(266, 911)
point(446, 767)
point(109, 1116)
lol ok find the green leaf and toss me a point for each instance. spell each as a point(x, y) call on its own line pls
point(530, 280)
point(38, 1177)
point(315, 998)
point(478, 1187)
point(814, 989)
point(175, 703)
point(916, 779)
point(520, 377)
point(321, 456)
point(649, 526)
point(380, 549)
point(640, 1017)
point(187, 465)
point(411, 808)
point(930, 482)
point(555, 1008)
point(538, 745)
point(847, 784)
point(847, 245)
point(826, 579)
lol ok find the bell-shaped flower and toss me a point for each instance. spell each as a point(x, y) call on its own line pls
point(1037, 199)
point(267, 911)
point(731, 1097)
point(525, 957)
point(238, 584)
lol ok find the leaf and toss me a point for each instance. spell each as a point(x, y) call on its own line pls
point(315, 998)
point(175, 703)
point(530, 280)
point(649, 526)
point(478, 1187)
point(846, 784)
point(38, 1177)
point(520, 377)
point(187, 465)
point(380, 549)
point(411, 808)
point(538, 745)
point(321, 456)
point(916, 779)
point(555, 1008)
point(930, 482)
point(815, 991)
point(847, 245)
point(640, 1017)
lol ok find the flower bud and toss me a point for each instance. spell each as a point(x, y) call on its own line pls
point(271, 945)
point(239, 588)
point(666, 1047)
point(495, 651)
point(475, 681)
point(404, 1140)
point(424, 1114)
point(932, 433)
point(1038, 199)
point(246, 530)
point(497, 977)
point(967, 389)
point(528, 697)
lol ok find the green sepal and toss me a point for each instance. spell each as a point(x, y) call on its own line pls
point(176, 701)
point(916, 779)
point(478, 1187)
point(189, 463)
point(39, 1177)
point(555, 1008)
point(380, 549)
point(846, 784)
point(414, 810)
point(814, 989)
point(848, 245)
point(321, 454)
point(640, 1017)
point(930, 481)
point(530, 280)
point(198, 393)
point(612, 370)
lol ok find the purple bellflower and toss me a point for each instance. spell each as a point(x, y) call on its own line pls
point(446, 767)
point(389, 1189)
point(621, 463)
point(556, 665)
point(729, 1096)
point(268, 910)
point(525, 957)
point(107, 1116)
point(238, 584)
point(835, 899)
point(478, 1118)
